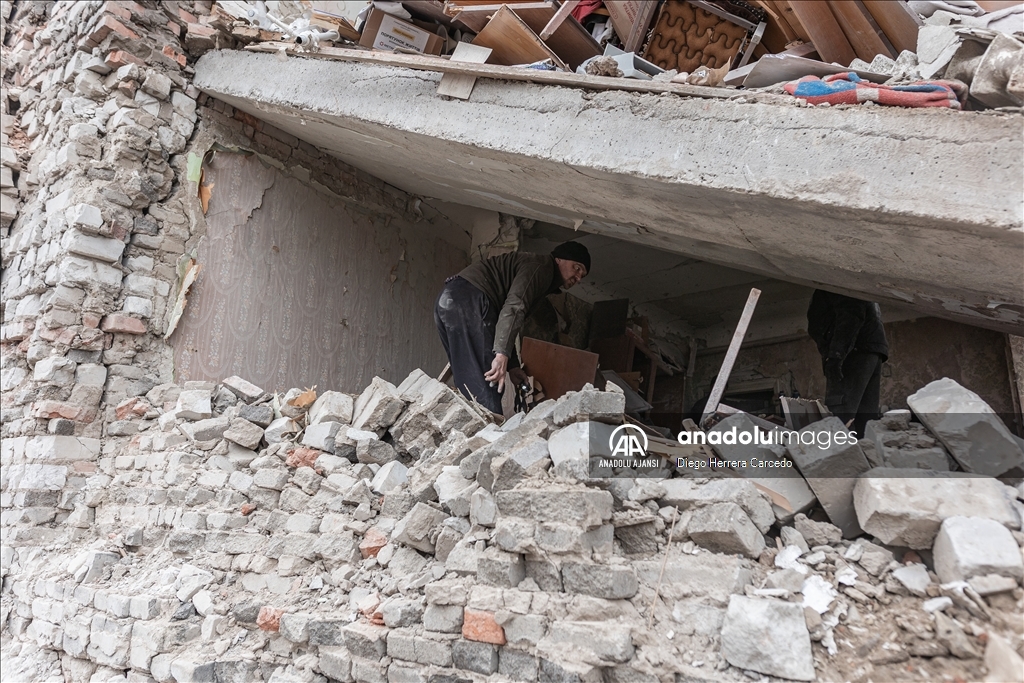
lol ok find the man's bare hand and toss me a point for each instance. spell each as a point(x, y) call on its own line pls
point(498, 371)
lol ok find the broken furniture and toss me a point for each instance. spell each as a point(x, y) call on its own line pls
point(692, 33)
point(559, 369)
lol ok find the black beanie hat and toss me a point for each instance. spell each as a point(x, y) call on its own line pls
point(573, 251)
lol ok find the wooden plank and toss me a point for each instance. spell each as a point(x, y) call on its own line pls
point(559, 369)
point(508, 73)
point(570, 41)
point(786, 11)
point(513, 42)
point(564, 11)
point(858, 30)
point(718, 389)
point(476, 13)
point(461, 86)
point(824, 31)
point(897, 20)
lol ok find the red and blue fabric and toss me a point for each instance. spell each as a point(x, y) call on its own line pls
point(849, 88)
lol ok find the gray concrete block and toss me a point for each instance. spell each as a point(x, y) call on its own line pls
point(769, 637)
point(968, 547)
point(442, 618)
point(906, 507)
point(502, 569)
point(832, 472)
point(469, 655)
point(968, 428)
point(517, 665)
point(725, 528)
point(589, 404)
point(586, 507)
point(602, 581)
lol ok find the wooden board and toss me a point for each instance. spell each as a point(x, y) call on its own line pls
point(513, 42)
point(897, 20)
point(570, 41)
point(459, 86)
point(476, 13)
point(825, 33)
point(718, 389)
point(785, 10)
point(507, 73)
point(858, 30)
point(559, 369)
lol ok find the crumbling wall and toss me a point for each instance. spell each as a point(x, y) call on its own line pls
point(100, 128)
point(299, 288)
point(919, 351)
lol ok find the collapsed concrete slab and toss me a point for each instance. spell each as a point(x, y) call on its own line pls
point(968, 428)
point(692, 196)
point(907, 507)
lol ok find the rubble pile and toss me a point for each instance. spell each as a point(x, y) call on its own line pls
point(222, 533)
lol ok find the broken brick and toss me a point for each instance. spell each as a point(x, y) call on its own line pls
point(122, 323)
point(303, 457)
point(481, 627)
point(269, 618)
point(373, 541)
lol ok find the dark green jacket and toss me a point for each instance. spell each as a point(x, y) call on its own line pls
point(514, 283)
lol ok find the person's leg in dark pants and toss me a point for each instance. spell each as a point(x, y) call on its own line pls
point(856, 396)
point(465, 321)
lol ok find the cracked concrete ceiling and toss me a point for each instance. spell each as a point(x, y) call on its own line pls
point(914, 208)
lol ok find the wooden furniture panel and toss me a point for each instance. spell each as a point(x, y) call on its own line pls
point(559, 369)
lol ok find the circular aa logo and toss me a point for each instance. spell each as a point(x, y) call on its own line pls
point(628, 441)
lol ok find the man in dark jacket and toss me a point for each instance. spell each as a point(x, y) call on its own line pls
point(852, 344)
point(481, 311)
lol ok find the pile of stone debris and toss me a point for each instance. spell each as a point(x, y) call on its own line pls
point(218, 533)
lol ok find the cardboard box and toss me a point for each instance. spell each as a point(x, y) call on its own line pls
point(383, 31)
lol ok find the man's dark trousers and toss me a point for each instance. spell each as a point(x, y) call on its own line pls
point(856, 396)
point(465, 320)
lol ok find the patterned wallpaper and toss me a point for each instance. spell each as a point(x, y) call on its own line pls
point(300, 289)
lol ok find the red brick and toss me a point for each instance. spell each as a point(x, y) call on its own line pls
point(131, 407)
point(83, 467)
point(248, 509)
point(269, 618)
point(51, 409)
point(115, 59)
point(303, 457)
point(133, 7)
point(187, 16)
point(117, 9)
point(373, 541)
point(201, 31)
point(108, 25)
point(169, 51)
point(91, 320)
point(481, 627)
point(115, 322)
point(247, 119)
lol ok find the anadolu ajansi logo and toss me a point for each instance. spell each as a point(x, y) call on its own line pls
point(628, 441)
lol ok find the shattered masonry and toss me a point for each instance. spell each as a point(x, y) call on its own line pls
point(217, 532)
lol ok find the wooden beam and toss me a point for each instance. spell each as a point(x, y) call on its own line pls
point(897, 20)
point(858, 29)
point(827, 36)
point(730, 356)
point(513, 42)
point(564, 11)
point(457, 85)
point(508, 73)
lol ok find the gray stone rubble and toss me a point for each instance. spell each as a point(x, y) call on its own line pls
point(202, 542)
